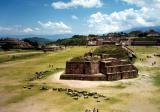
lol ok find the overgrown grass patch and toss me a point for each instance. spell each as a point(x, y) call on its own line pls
point(112, 50)
point(14, 57)
point(125, 95)
point(156, 80)
point(44, 74)
point(22, 94)
point(113, 100)
point(117, 86)
point(120, 86)
point(139, 50)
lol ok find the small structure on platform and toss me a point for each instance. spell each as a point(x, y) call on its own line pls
point(99, 68)
point(108, 41)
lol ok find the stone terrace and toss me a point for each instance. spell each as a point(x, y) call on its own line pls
point(109, 69)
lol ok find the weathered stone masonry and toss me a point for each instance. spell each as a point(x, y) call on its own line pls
point(109, 69)
point(86, 67)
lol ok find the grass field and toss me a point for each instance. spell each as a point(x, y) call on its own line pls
point(11, 56)
point(134, 95)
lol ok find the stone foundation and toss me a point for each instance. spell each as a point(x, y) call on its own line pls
point(104, 70)
point(95, 77)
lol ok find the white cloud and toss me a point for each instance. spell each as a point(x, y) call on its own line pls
point(5, 28)
point(147, 15)
point(43, 28)
point(37, 29)
point(55, 27)
point(76, 3)
point(16, 29)
point(28, 30)
point(8, 29)
point(74, 17)
point(144, 3)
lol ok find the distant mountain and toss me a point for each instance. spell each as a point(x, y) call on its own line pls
point(40, 41)
point(50, 37)
point(156, 28)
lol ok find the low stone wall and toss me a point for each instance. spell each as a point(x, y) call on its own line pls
point(121, 75)
point(84, 77)
point(129, 74)
point(120, 70)
point(111, 67)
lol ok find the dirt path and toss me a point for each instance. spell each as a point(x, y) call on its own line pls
point(10, 63)
point(55, 78)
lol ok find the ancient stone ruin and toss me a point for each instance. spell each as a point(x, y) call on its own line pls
point(99, 68)
point(109, 69)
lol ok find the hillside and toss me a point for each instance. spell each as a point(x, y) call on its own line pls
point(38, 40)
point(156, 28)
point(49, 37)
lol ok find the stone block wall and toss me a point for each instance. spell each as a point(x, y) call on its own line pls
point(83, 77)
point(87, 67)
point(74, 68)
point(114, 76)
point(116, 70)
point(129, 74)
point(94, 67)
point(110, 69)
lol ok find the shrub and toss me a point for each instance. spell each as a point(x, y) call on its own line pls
point(113, 51)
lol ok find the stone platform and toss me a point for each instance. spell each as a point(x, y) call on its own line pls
point(109, 69)
point(100, 76)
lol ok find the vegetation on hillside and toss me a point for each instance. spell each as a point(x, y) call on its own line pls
point(112, 50)
point(157, 80)
point(18, 56)
point(36, 41)
point(109, 50)
point(75, 40)
point(139, 33)
point(82, 58)
point(147, 39)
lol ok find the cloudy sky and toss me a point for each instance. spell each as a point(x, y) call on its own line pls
point(76, 16)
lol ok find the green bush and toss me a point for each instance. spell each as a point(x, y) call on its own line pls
point(113, 51)
point(157, 80)
point(109, 50)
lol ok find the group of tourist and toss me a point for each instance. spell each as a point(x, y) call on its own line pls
point(154, 63)
point(50, 66)
point(94, 110)
point(141, 59)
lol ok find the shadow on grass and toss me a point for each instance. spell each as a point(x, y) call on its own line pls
point(156, 80)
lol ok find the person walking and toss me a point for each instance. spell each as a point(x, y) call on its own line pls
point(86, 110)
point(94, 110)
point(97, 110)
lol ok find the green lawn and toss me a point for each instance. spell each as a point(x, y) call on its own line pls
point(17, 56)
point(14, 74)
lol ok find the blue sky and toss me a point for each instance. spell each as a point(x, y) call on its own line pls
point(76, 16)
